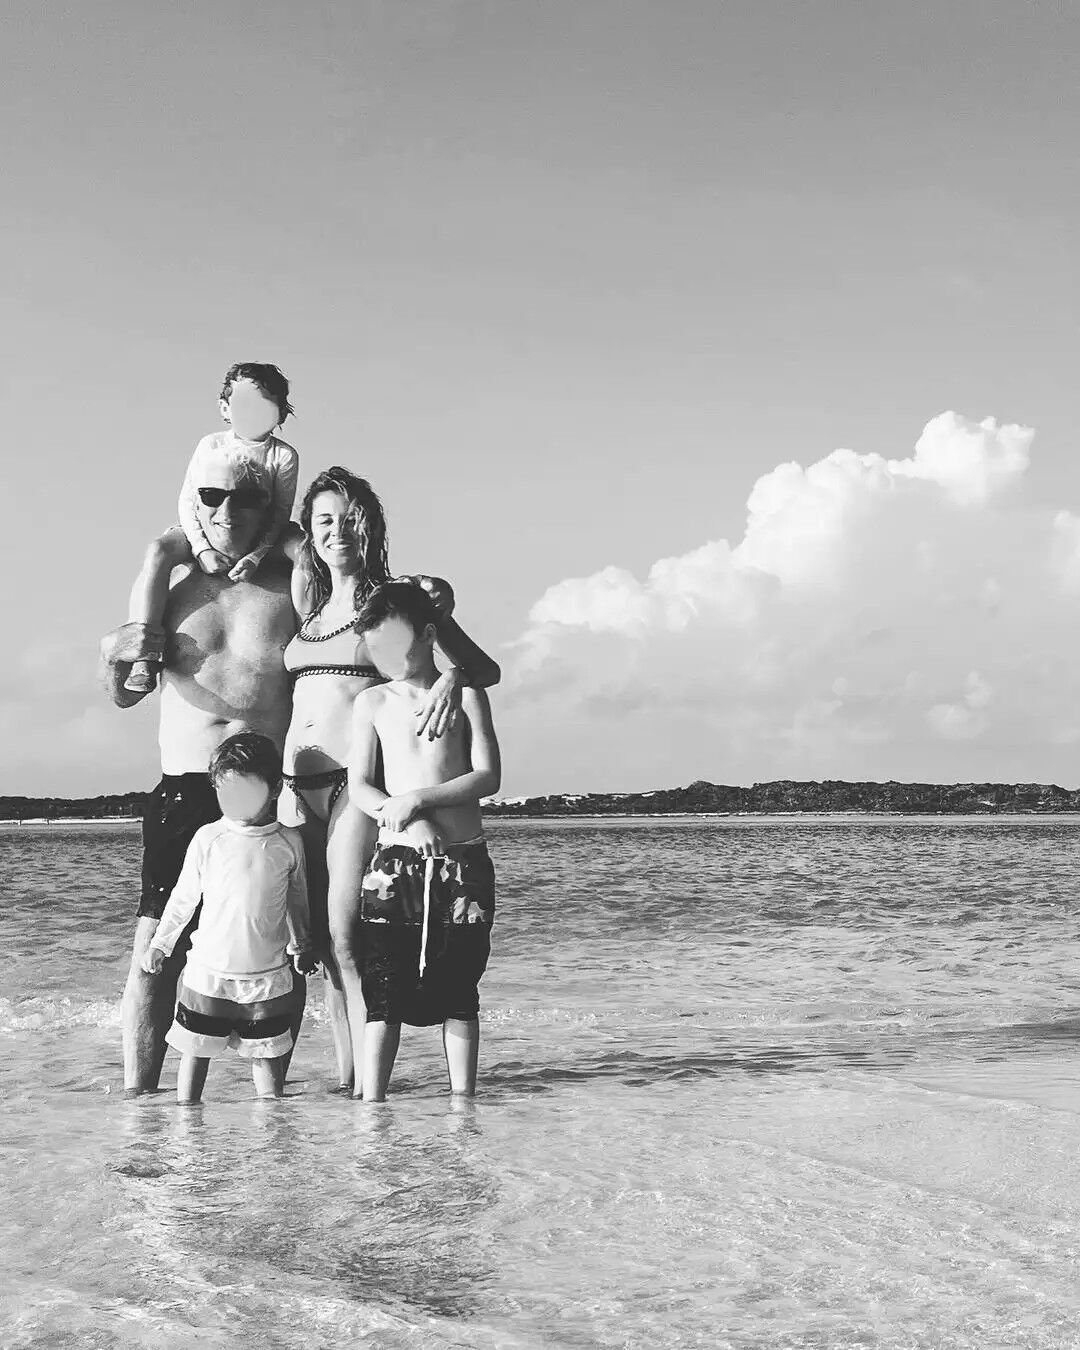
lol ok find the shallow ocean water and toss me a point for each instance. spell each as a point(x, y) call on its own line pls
point(748, 1082)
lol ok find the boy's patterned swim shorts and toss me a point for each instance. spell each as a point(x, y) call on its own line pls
point(460, 891)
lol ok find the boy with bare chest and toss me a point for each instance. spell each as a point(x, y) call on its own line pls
point(429, 892)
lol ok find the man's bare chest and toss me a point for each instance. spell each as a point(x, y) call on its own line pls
point(245, 623)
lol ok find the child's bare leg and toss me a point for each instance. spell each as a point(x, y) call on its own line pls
point(191, 1079)
point(150, 594)
point(461, 1045)
point(381, 1041)
point(268, 1075)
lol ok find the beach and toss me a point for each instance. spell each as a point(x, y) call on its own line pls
point(744, 1082)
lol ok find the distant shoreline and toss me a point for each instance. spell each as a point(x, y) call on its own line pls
point(506, 818)
point(701, 799)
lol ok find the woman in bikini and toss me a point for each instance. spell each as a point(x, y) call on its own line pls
point(345, 555)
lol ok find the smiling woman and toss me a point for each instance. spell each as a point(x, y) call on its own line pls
point(345, 556)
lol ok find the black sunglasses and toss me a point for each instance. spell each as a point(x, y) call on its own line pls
point(242, 498)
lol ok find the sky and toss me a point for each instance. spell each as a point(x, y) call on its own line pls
point(723, 357)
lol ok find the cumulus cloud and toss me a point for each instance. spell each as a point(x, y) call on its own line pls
point(879, 617)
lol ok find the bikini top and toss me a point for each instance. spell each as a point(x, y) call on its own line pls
point(361, 672)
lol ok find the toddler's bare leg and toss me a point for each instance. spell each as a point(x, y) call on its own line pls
point(191, 1079)
point(461, 1045)
point(381, 1041)
point(268, 1075)
point(150, 594)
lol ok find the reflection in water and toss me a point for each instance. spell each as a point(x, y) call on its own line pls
point(245, 1195)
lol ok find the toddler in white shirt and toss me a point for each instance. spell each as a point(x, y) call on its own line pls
point(254, 403)
point(248, 871)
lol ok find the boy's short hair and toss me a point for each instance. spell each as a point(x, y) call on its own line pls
point(269, 379)
point(397, 599)
point(249, 753)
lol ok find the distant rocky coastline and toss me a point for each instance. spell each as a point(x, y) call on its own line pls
point(786, 796)
point(698, 798)
point(123, 806)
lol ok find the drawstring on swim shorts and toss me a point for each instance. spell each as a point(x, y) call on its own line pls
point(390, 838)
point(429, 876)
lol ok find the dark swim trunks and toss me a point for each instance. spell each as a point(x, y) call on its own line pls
point(460, 912)
point(177, 807)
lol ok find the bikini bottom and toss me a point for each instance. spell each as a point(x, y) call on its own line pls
point(337, 780)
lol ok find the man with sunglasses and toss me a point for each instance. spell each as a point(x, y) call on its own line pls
point(222, 673)
point(244, 498)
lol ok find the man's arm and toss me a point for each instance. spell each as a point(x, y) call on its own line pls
point(363, 755)
point(119, 649)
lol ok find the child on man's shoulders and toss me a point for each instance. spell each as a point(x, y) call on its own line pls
point(263, 468)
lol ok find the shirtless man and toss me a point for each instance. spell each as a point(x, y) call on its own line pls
point(222, 673)
point(428, 899)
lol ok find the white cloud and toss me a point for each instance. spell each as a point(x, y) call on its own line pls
point(972, 463)
point(879, 617)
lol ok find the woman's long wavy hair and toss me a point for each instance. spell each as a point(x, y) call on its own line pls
point(370, 524)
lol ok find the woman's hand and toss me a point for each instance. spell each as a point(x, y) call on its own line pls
point(398, 813)
point(439, 592)
point(442, 706)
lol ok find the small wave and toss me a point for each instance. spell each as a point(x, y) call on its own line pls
point(55, 1014)
point(548, 1016)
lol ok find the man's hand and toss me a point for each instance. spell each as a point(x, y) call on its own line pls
point(442, 706)
point(132, 642)
point(153, 962)
point(305, 963)
point(245, 569)
point(398, 813)
point(213, 563)
point(122, 647)
point(425, 838)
